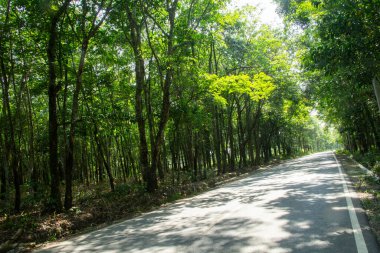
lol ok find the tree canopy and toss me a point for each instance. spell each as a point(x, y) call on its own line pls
point(161, 92)
point(339, 52)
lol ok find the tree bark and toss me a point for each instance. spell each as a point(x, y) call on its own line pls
point(231, 147)
point(376, 88)
point(3, 169)
point(74, 114)
point(33, 168)
point(135, 40)
point(164, 117)
point(87, 36)
point(55, 193)
point(10, 131)
point(103, 159)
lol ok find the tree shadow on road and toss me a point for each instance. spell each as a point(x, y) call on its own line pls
point(298, 206)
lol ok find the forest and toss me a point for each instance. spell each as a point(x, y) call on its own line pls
point(153, 94)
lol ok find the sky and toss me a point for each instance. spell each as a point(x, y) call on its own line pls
point(267, 8)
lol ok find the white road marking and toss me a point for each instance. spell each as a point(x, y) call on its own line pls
point(359, 239)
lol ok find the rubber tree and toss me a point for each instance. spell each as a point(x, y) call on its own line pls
point(87, 30)
point(55, 203)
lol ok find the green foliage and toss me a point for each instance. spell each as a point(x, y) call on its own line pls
point(339, 61)
point(369, 159)
point(376, 167)
point(23, 221)
point(260, 87)
point(247, 109)
point(173, 197)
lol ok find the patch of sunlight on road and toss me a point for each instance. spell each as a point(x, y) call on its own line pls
point(303, 224)
point(295, 207)
point(314, 244)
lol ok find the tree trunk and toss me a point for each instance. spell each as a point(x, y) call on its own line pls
point(86, 37)
point(231, 147)
point(55, 193)
point(217, 141)
point(165, 106)
point(3, 169)
point(242, 133)
point(103, 159)
point(371, 121)
point(376, 88)
point(33, 168)
point(74, 114)
point(135, 35)
point(10, 143)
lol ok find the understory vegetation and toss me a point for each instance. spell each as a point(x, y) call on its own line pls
point(370, 160)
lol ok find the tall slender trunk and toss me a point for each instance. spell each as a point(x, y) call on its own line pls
point(231, 148)
point(10, 132)
point(242, 133)
point(376, 88)
point(195, 155)
point(217, 140)
point(33, 167)
point(3, 169)
point(256, 136)
point(135, 40)
point(69, 164)
point(86, 37)
point(103, 158)
point(165, 106)
point(217, 136)
point(55, 193)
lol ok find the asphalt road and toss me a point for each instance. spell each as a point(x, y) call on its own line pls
point(299, 206)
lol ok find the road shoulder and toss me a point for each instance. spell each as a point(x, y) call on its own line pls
point(366, 202)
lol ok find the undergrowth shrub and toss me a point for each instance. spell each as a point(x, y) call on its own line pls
point(376, 168)
point(369, 159)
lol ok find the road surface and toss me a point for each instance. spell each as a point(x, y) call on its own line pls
point(302, 205)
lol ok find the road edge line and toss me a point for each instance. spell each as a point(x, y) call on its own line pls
point(359, 238)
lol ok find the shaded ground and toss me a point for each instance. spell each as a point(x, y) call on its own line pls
point(298, 206)
point(96, 207)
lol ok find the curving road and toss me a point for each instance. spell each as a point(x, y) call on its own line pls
point(300, 206)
